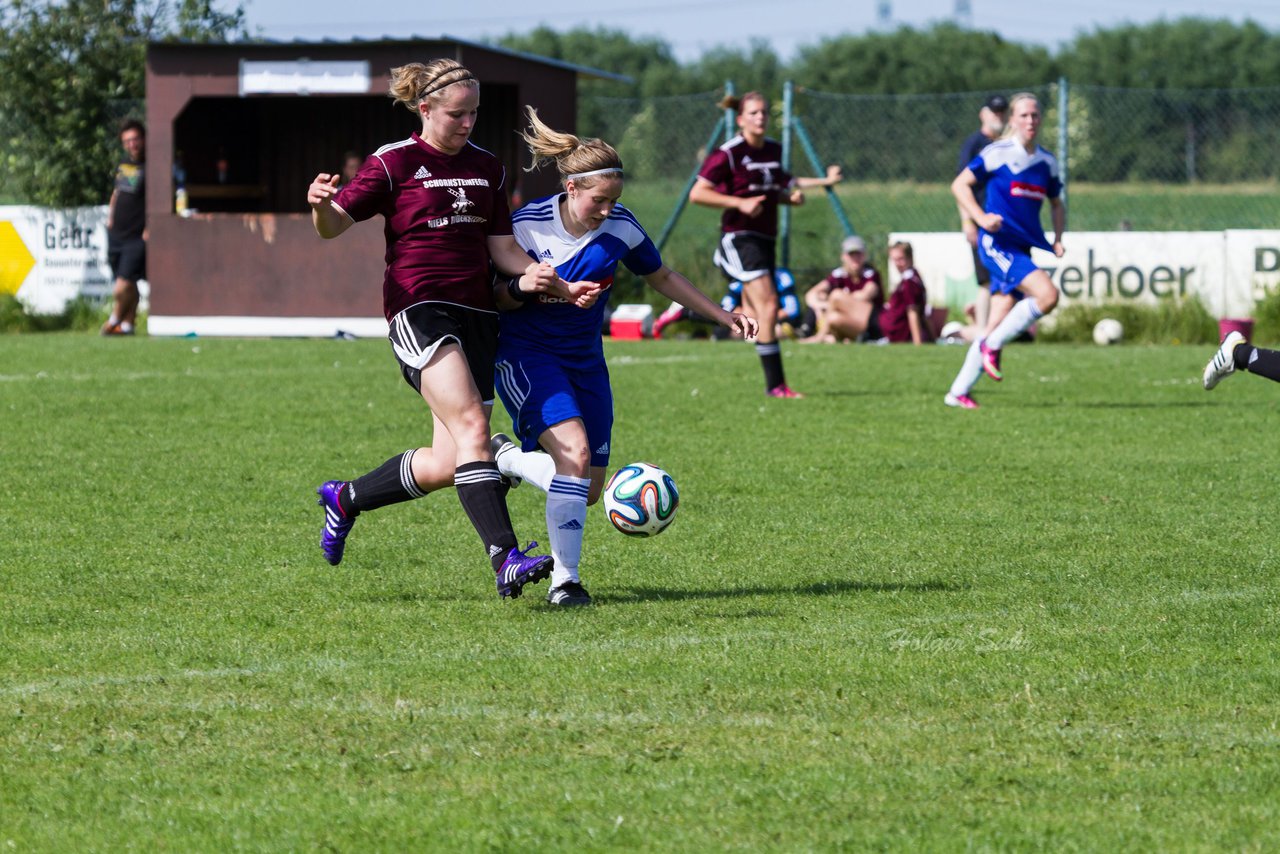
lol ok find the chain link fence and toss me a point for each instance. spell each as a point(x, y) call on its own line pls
point(1143, 160)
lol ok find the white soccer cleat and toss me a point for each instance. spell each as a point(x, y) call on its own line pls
point(1223, 362)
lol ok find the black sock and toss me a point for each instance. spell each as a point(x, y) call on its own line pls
point(1255, 360)
point(771, 360)
point(479, 486)
point(390, 483)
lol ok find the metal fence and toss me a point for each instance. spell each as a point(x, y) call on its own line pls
point(1143, 160)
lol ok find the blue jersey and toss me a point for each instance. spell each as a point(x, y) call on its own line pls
point(549, 324)
point(1017, 184)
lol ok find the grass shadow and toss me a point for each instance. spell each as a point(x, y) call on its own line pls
point(820, 588)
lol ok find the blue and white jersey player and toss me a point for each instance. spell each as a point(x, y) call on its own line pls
point(551, 373)
point(1019, 177)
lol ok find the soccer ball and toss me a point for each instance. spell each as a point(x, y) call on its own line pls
point(641, 500)
point(1108, 331)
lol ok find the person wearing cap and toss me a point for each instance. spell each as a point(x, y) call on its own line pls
point(851, 292)
point(991, 124)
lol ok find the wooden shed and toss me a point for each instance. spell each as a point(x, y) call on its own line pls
point(250, 124)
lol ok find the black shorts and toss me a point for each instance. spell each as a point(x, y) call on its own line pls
point(420, 329)
point(127, 257)
point(872, 332)
point(743, 255)
point(980, 270)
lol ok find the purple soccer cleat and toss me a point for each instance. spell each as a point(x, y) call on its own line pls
point(333, 537)
point(521, 568)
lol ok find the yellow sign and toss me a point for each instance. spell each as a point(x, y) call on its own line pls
point(15, 261)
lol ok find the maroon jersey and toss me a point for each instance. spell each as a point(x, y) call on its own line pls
point(440, 210)
point(841, 280)
point(893, 320)
point(737, 169)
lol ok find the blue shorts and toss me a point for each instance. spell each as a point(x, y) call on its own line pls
point(1008, 265)
point(539, 390)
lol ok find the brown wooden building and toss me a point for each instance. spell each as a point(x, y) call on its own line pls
point(251, 124)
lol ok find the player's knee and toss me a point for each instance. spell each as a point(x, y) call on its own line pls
point(574, 459)
point(470, 430)
point(1048, 300)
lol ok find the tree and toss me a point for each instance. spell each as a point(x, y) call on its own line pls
point(942, 58)
point(1190, 53)
point(69, 72)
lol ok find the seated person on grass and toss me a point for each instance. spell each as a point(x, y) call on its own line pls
point(854, 290)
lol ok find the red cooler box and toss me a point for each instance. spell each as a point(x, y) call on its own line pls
point(632, 322)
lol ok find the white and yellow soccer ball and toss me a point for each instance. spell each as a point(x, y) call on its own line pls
point(1108, 331)
point(641, 500)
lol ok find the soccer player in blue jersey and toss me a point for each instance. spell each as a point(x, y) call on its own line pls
point(550, 365)
point(1019, 175)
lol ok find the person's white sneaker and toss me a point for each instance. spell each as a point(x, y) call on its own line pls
point(1223, 362)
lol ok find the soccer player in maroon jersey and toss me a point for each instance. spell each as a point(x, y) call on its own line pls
point(903, 319)
point(745, 178)
point(446, 215)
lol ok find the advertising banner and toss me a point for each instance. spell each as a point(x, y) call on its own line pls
point(49, 257)
point(1226, 270)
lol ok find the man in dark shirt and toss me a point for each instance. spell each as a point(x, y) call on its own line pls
point(127, 229)
point(992, 116)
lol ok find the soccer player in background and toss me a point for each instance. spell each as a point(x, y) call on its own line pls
point(446, 216)
point(990, 126)
point(127, 230)
point(1019, 176)
point(744, 177)
point(1236, 353)
point(552, 375)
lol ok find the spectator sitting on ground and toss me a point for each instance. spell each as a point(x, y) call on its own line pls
point(903, 319)
point(851, 294)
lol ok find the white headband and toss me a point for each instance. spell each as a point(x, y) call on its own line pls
point(593, 172)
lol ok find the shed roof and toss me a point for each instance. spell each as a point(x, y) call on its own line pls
point(585, 70)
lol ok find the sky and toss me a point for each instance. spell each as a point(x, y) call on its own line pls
point(691, 27)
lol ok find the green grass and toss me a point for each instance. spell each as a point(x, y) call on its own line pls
point(877, 623)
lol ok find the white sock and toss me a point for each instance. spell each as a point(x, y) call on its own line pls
point(532, 466)
point(126, 326)
point(1019, 318)
point(566, 521)
point(970, 371)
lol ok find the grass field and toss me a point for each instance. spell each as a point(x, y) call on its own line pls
point(877, 623)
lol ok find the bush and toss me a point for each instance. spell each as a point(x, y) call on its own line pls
point(1266, 318)
point(1166, 322)
point(81, 315)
